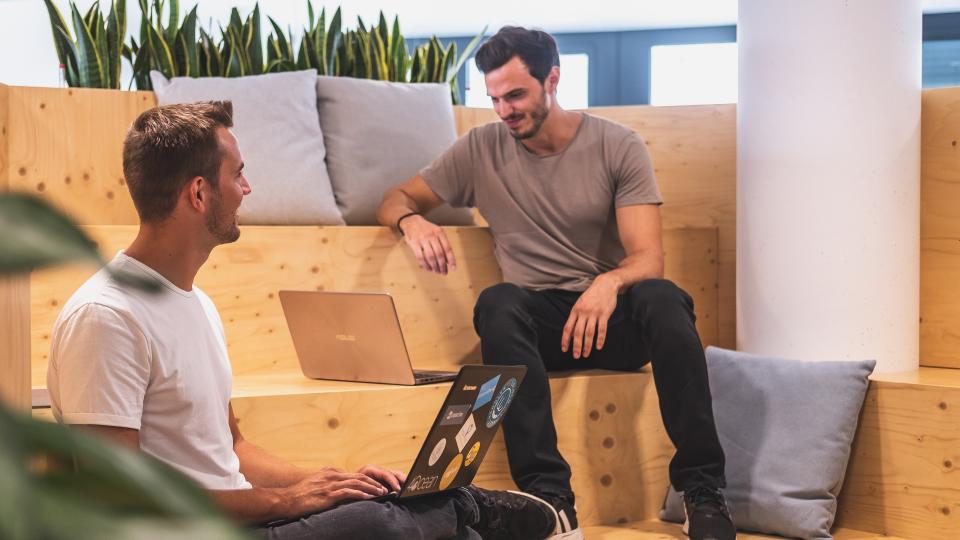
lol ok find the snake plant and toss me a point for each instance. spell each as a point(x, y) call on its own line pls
point(91, 59)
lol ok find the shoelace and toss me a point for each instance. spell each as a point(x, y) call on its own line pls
point(706, 496)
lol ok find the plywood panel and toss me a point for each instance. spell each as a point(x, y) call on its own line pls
point(609, 429)
point(695, 159)
point(436, 312)
point(15, 341)
point(658, 530)
point(940, 229)
point(14, 301)
point(65, 144)
point(903, 474)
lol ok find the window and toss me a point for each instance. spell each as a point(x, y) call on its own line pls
point(693, 74)
point(941, 63)
point(572, 93)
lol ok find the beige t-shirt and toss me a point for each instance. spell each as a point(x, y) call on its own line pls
point(552, 217)
point(156, 363)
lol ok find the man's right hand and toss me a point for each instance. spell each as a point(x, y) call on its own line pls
point(327, 488)
point(429, 244)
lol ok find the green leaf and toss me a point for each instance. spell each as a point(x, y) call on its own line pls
point(174, 21)
point(89, 64)
point(116, 30)
point(70, 54)
point(189, 32)
point(283, 46)
point(56, 21)
point(467, 52)
point(161, 53)
point(255, 48)
point(334, 36)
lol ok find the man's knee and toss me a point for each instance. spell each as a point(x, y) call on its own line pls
point(659, 294)
point(369, 519)
point(502, 299)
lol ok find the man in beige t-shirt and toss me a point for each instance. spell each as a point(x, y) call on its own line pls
point(573, 207)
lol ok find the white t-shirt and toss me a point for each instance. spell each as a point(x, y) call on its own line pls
point(156, 363)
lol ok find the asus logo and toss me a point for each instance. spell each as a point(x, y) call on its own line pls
point(468, 387)
point(345, 337)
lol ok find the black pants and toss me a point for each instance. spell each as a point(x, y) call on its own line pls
point(653, 322)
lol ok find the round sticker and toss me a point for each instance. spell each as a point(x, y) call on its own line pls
point(437, 452)
point(472, 454)
point(451, 471)
point(501, 402)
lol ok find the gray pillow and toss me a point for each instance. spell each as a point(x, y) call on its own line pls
point(786, 427)
point(275, 121)
point(379, 134)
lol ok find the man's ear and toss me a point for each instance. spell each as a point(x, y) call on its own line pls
point(195, 194)
point(553, 78)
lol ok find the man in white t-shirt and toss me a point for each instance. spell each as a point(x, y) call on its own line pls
point(151, 371)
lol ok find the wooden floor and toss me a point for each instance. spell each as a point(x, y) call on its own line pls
point(659, 530)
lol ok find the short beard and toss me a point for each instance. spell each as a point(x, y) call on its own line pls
point(538, 115)
point(224, 231)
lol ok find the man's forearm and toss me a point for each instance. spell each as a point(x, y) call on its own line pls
point(263, 469)
point(252, 506)
point(634, 269)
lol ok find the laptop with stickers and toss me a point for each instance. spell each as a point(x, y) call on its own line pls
point(461, 434)
point(349, 336)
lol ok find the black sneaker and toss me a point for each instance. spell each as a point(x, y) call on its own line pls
point(707, 515)
point(567, 519)
point(511, 515)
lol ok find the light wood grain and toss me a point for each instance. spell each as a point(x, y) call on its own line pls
point(658, 530)
point(65, 145)
point(694, 155)
point(904, 466)
point(14, 300)
point(609, 429)
point(15, 341)
point(940, 228)
point(436, 312)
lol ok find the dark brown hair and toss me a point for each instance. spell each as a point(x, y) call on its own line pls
point(536, 48)
point(166, 147)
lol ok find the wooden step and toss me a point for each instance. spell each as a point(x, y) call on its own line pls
point(900, 482)
point(659, 530)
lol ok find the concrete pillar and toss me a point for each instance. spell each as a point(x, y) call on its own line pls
point(828, 179)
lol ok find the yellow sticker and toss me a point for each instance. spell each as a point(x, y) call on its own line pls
point(451, 472)
point(472, 454)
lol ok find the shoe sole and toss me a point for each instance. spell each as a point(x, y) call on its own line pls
point(575, 534)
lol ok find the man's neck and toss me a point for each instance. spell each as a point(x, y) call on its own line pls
point(555, 134)
point(171, 253)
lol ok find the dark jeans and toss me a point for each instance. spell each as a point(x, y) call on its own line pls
point(435, 517)
point(653, 322)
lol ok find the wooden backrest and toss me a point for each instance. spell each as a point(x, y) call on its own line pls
point(436, 312)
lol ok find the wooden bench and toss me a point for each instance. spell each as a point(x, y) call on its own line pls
point(64, 145)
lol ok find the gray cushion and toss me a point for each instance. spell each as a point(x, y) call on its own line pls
point(786, 427)
point(275, 121)
point(379, 134)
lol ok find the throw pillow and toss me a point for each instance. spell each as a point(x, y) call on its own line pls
point(786, 427)
point(379, 134)
point(275, 121)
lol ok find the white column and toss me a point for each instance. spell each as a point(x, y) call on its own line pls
point(828, 180)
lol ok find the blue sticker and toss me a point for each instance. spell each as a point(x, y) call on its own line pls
point(486, 392)
point(500, 404)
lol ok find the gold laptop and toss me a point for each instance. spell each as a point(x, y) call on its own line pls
point(348, 336)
